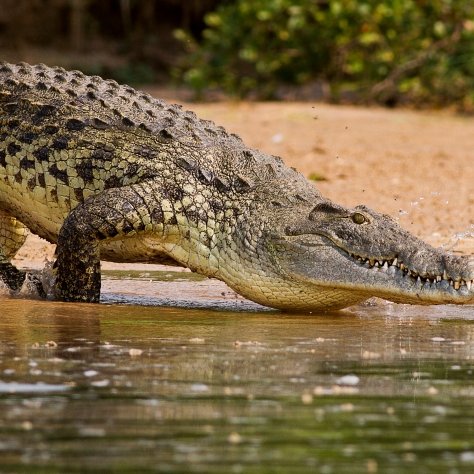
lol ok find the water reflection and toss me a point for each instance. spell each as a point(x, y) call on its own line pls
point(381, 388)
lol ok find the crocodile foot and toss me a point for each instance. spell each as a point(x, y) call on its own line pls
point(11, 276)
point(33, 284)
point(19, 281)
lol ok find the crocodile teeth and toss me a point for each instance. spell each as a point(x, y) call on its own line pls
point(426, 279)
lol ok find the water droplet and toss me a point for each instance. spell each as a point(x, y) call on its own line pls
point(277, 138)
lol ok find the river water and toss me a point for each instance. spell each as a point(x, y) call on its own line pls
point(174, 373)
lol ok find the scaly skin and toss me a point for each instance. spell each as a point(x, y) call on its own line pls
point(110, 173)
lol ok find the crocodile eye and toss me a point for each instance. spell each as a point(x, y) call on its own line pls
point(358, 218)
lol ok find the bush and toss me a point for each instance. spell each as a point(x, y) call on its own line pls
point(401, 50)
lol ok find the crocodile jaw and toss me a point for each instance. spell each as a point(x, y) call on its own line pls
point(409, 286)
point(339, 278)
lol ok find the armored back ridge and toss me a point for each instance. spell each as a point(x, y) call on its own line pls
point(107, 172)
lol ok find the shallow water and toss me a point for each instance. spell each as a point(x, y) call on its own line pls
point(222, 385)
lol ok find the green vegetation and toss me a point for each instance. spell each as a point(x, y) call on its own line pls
point(315, 176)
point(398, 51)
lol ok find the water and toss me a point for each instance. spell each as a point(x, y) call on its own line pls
point(220, 385)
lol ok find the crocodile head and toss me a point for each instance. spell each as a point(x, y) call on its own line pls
point(333, 257)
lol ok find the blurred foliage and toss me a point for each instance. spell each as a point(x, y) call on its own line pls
point(129, 40)
point(398, 51)
point(390, 52)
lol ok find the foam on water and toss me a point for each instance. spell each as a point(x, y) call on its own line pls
point(40, 387)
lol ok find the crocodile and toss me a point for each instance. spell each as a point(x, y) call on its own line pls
point(108, 172)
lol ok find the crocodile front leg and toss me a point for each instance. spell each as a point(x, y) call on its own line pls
point(114, 213)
